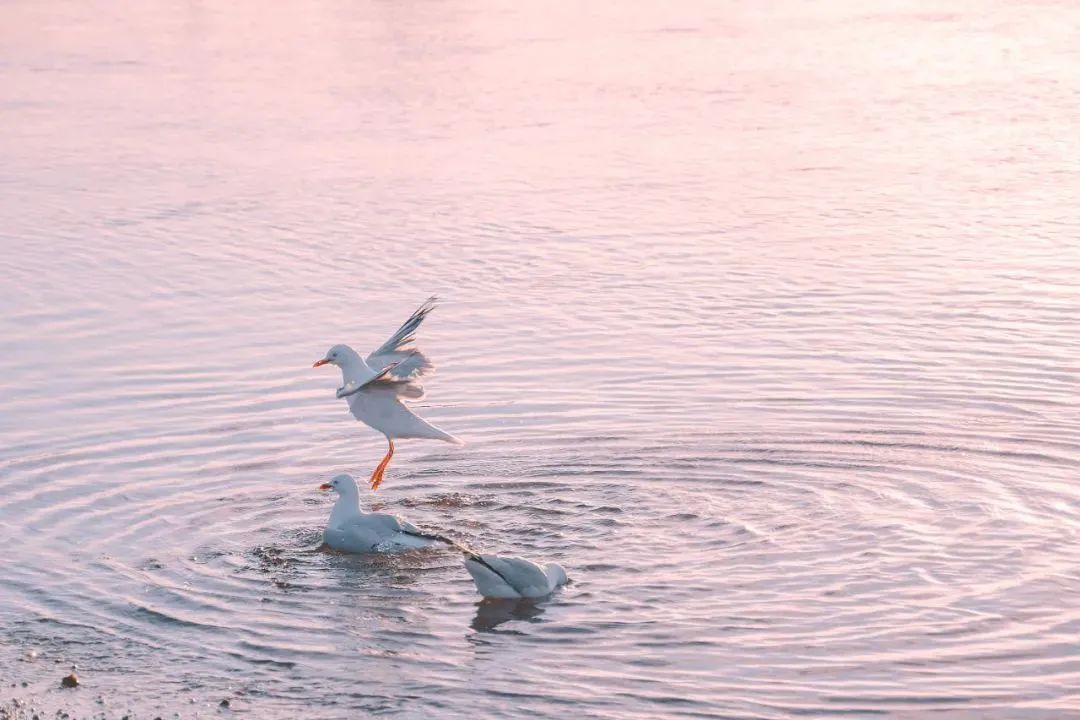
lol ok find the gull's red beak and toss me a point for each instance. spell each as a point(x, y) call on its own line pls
point(324, 486)
point(320, 362)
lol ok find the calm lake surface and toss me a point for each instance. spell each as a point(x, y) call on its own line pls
point(761, 318)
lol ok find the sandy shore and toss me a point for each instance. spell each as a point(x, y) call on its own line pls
point(32, 690)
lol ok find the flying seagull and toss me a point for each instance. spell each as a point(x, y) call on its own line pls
point(375, 387)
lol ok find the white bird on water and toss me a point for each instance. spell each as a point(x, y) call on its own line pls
point(500, 577)
point(352, 530)
point(376, 386)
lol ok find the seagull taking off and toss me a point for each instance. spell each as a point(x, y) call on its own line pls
point(376, 386)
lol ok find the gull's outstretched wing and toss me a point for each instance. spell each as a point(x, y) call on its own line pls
point(405, 388)
point(411, 363)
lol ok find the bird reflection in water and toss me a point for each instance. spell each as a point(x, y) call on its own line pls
point(490, 614)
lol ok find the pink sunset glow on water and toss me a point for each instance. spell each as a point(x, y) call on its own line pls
point(759, 318)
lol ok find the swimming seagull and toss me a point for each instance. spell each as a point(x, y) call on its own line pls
point(502, 577)
point(376, 386)
point(352, 530)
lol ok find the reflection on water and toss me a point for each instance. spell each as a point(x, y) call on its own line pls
point(490, 614)
point(759, 318)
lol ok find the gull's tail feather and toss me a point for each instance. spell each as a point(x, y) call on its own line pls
point(453, 439)
point(470, 554)
point(437, 433)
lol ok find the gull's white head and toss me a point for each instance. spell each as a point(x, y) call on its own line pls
point(555, 572)
point(339, 355)
point(342, 484)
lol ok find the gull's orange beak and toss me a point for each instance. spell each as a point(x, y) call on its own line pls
point(324, 487)
point(320, 362)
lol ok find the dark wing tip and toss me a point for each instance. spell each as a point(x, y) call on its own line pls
point(407, 332)
point(476, 558)
point(427, 306)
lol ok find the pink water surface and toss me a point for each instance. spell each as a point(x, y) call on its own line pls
point(761, 318)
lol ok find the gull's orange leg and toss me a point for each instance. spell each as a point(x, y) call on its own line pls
point(377, 476)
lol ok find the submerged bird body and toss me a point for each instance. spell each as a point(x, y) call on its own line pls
point(376, 387)
point(350, 529)
point(502, 578)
